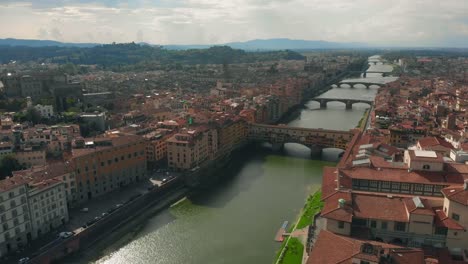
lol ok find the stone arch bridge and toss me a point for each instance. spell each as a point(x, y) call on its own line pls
point(314, 138)
point(354, 83)
point(348, 102)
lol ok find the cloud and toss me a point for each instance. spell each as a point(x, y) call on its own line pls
point(398, 22)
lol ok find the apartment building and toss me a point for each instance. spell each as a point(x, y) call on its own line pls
point(48, 205)
point(29, 157)
point(15, 229)
point(5, 148)
point(107, 163)
point(188, 149)
point(156, 148)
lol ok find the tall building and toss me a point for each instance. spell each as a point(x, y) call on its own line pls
point(15, 229)
point(107, 163)
point(188, 149)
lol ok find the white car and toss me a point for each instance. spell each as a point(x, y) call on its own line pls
point(23, 260)
point(66, 234)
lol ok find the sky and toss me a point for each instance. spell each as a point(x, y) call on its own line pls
point(377, 22)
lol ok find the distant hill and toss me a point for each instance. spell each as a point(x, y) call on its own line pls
point(278, 44)
point(251, 45)
point(293, 44)
point(42, 43)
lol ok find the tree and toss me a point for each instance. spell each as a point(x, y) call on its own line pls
point(8, 164)
point(33, 116)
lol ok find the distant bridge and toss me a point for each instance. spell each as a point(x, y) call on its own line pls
point(314, 138)
point(348, 102)
point(354, 83)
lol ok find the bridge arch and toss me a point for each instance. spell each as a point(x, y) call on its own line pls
point(348, 102)
point(353, 84)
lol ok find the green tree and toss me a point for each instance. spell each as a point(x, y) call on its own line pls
point(33, 116)
point(8, 164)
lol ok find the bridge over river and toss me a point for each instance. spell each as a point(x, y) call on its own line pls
point(348, 102)
point(314, 138)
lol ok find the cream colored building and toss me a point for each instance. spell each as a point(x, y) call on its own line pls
point(456, 208)
point(424, 160)
point(14, 215)
point(187, 149)
point(48, 205)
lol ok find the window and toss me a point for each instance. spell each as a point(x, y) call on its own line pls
point(385, 185)
point(456, 217)
point(384, 225)
point(373, 223)
point(405, 187)
point(418, 188)
point(426, 167)
point(428, 188)
point(441, 231)
point(400, 226)
point(364, 262)
point(340, 224)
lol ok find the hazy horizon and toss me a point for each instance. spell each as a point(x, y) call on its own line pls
point(427, 23)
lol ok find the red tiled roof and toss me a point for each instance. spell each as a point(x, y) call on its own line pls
point(11, 182)
point(379, 207)
point(442, 220)
point(413, 209)
point(402, 175)
point(329, 181)
point(332, 210)
point(457, 194)
point(331, 248)
point(428, 142)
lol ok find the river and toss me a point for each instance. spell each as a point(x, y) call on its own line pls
point(236, 221)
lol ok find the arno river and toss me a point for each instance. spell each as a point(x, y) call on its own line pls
point(236, 221)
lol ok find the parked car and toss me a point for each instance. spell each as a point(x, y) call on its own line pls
point(65, 234)
point(23, 260)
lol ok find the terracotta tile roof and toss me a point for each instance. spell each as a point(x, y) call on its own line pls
point(442, 220)
point(329, 181)
point(331, 248)
point(457, 194)
point(11, 183)
point(428, 142)
point(413, 209)
point(117, 141)
point(402, 175)
point(332, 210)
point(379, 207)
